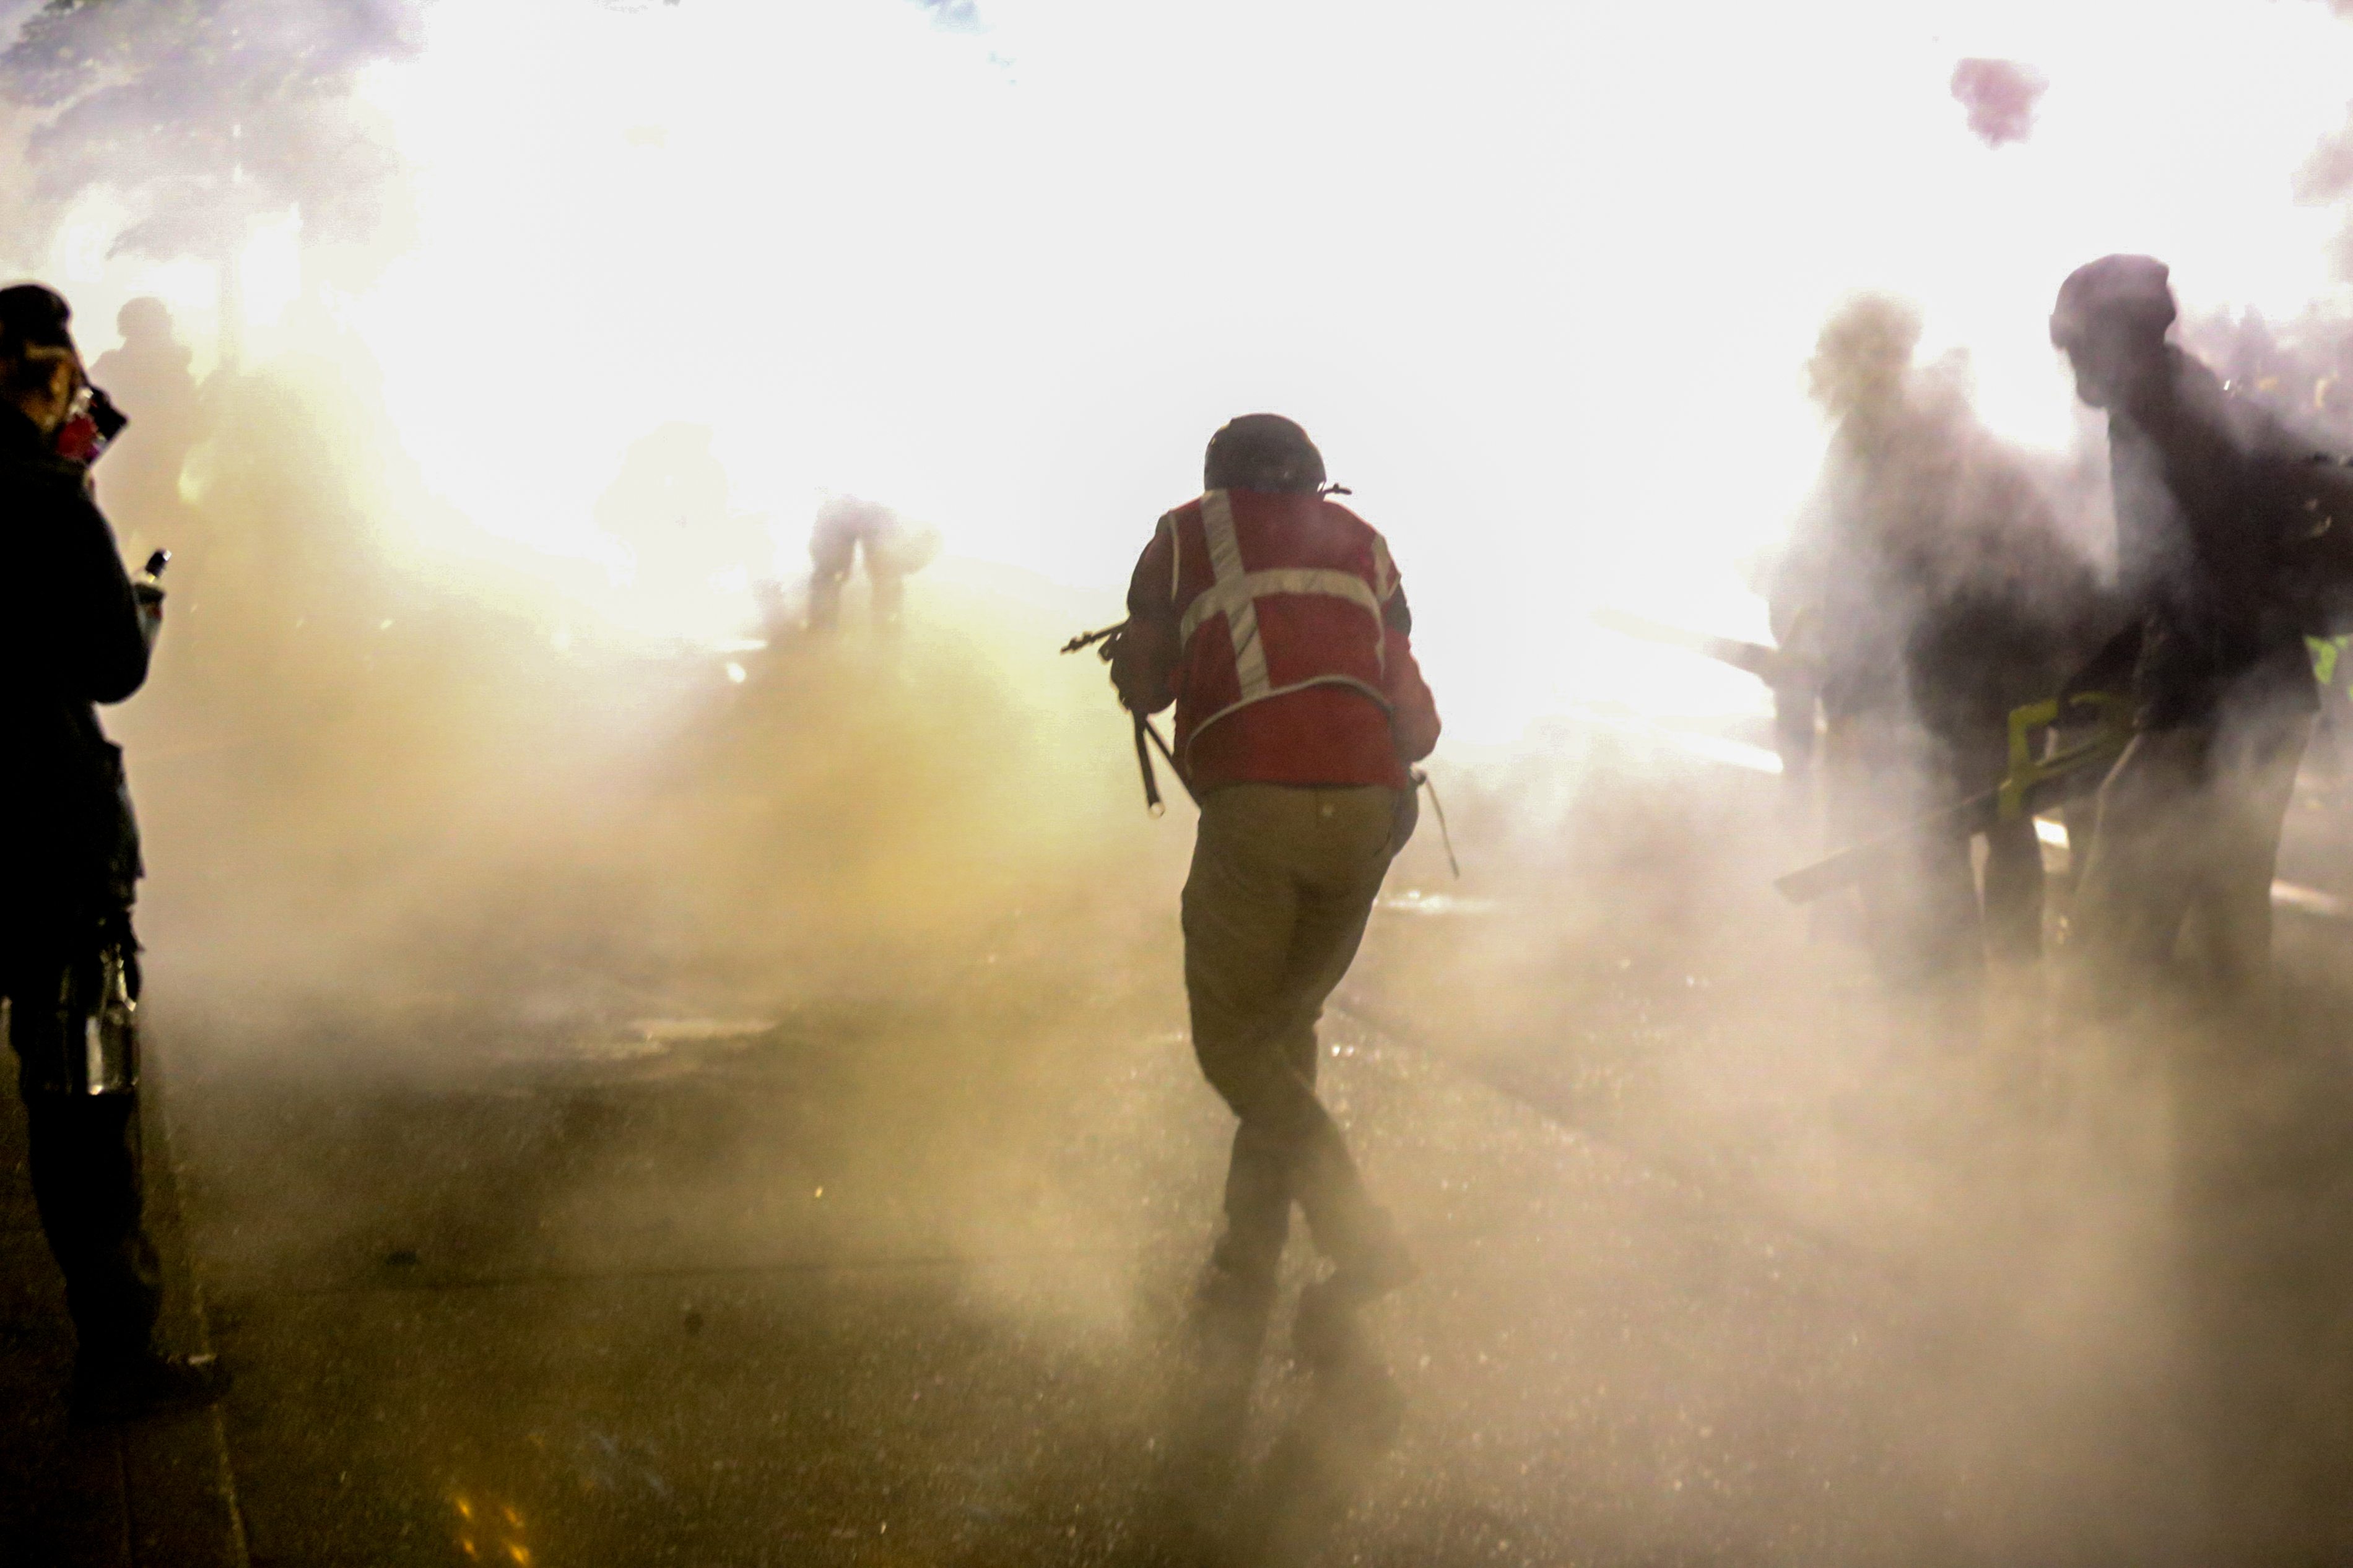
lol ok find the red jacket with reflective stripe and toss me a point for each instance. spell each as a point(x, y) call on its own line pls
point(1277, 625)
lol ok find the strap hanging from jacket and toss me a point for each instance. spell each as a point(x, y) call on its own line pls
point(1144, 728)
point(1421, 781)
point(1144, 765)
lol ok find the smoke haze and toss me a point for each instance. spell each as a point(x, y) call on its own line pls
point(459, 779)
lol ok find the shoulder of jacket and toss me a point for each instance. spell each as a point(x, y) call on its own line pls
point(25, 465)
point(50, 479)
point(2215, 404)
point(1348, 521)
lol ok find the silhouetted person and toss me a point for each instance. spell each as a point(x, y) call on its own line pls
point(2187, 828)
point(892, 547)
point(149, 379)
point(73, 632)
point(1931, 579)
point(1274, 620)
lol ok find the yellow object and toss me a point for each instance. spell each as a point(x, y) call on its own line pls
point(2113, 714)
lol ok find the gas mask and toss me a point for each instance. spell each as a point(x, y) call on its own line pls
point(92, 425)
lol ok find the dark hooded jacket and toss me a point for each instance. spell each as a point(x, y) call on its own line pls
point(2208, 490)
point(71, 636)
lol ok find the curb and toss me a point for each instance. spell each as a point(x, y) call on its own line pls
point(179, 1492)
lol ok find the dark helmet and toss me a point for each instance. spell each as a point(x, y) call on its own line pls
point(2130, 290)
point(1262, 452)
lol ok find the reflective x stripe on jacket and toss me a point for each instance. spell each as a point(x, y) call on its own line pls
point(1333, 557)
point(1237, 593)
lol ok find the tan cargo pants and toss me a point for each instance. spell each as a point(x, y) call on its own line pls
point(1282, 880)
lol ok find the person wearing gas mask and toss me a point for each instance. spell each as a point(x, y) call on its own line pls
point(2207, 491)
point(75, 631)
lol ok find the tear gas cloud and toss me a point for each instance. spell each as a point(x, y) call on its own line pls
point(443, 745)
point(852, 227)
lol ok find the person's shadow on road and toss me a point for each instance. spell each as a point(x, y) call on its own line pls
point(1213, 1509)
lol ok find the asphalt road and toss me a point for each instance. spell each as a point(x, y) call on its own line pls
point(1731, 1258)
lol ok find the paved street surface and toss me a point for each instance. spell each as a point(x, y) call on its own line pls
point(1731, 1258)
point(156, 1492)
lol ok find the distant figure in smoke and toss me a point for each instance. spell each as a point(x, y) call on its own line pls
point(149, 379)
point(1938, 596)
point(1274, 620)
point(893, 547)
point(2207, 501)
point(74, 631)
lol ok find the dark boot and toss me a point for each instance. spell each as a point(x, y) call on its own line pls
point(1325, 1334)
point(148, 1382)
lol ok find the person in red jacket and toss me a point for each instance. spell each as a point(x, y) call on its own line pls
point(1273, 619)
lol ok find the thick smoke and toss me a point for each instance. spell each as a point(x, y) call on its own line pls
point(2327, 178)
point(1738, 1253)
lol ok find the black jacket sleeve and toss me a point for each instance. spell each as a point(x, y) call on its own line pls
point(101, 637)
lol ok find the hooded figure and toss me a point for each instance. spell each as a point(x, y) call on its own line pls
point(2211, 524)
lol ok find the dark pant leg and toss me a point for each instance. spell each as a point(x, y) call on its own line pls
point(1335, 903)
point(2254, 770)
point(1239, 901)
point(1274, 907)
point(2141, 871)
point(1942, 938)
point(85, 1168)
point(86, 1181)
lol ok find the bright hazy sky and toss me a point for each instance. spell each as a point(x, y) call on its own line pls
point(1539, 277)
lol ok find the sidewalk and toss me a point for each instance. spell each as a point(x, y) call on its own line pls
point(150, 1494)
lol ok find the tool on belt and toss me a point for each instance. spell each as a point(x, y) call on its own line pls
point(101, 1030)
point(1421, 782)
